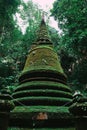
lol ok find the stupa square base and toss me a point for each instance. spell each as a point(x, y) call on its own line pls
point(41, 116)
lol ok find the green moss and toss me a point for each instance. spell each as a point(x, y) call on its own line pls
point(43, 92)
point(53, 112)
point(35, 47)
point(39, 84)
point(43, 57)
point(42, 100)
point(43, 73)
point(40, 68)
point(54, 109)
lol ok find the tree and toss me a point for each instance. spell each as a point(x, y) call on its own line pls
point(7, 39)
point(31, 16)
point(14, 45)
point(71, 17)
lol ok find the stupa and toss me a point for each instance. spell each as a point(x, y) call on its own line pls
point(42, 85)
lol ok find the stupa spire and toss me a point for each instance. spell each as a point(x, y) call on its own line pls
point(43, 35)
point(43, 20)
point(43, 17)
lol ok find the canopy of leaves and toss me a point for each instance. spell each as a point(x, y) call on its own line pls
point(72, 19)
point(14, 45)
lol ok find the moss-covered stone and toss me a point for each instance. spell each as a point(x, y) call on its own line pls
point(44, 85)
point(40, 100)
point(42, 57)
point(42, 92)
point(55, 109)
point(57, 116)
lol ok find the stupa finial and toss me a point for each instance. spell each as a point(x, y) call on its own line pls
point(43, 18)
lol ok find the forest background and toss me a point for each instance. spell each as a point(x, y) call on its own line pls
point(71, 44)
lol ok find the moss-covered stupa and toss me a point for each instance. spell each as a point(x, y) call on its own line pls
point(42, 83)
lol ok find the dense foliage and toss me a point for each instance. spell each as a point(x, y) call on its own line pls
point(8, 36)
point(72, 19)
point(14, 45)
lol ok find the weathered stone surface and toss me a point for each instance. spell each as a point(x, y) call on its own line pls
point(42, 88)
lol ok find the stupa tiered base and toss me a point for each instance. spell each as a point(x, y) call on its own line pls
point(42, 81)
